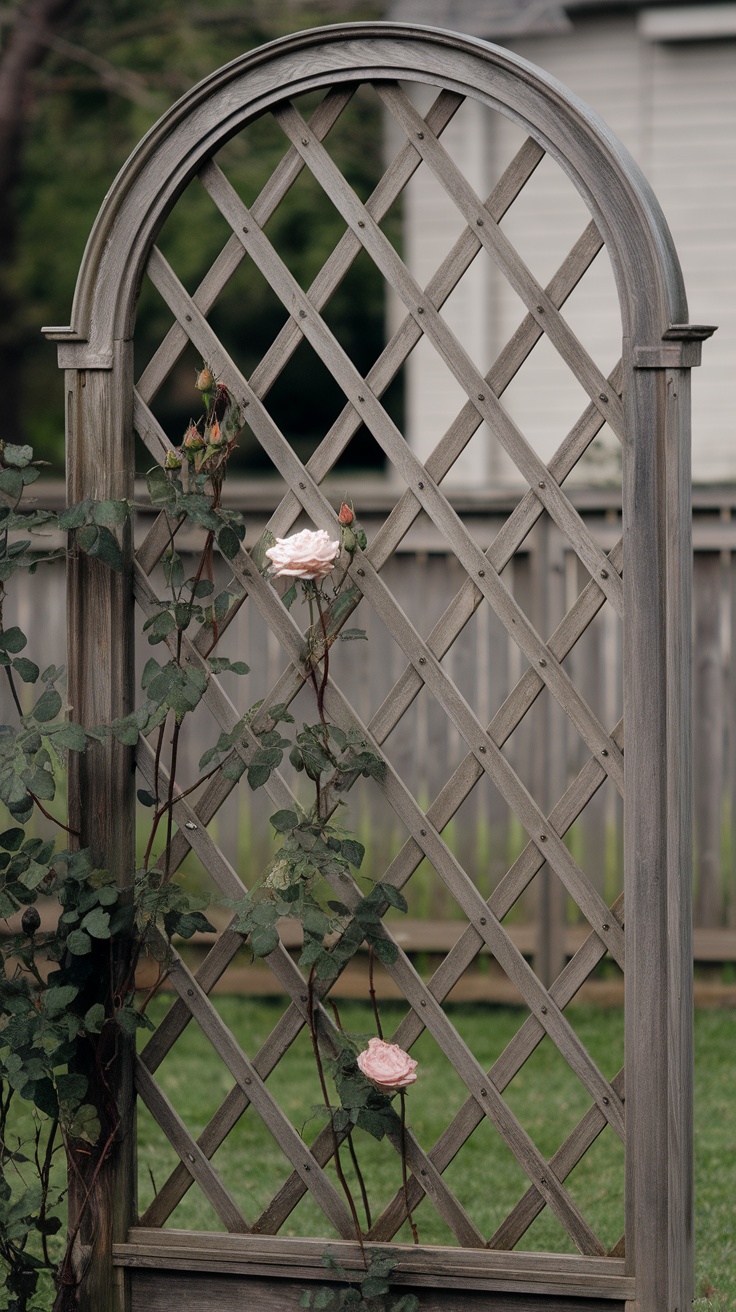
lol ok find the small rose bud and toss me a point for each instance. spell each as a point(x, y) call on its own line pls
point(214, 435)
point(345, 514)
point(193, 440)
point(172, 461)
point(30, 921)
point(205, 380)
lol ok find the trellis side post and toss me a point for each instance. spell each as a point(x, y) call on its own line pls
point(658, 834)
point(102, 795)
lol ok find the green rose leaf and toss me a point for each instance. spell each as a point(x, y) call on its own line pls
point(94, 1018)
point(57, 999)
point(47, 706)
point(11, 839)
point(393, 896)
point(72, 737)
point(13, 640)
point(28, 670)
point(85, 1124)
point(385, 950)
point(228, 542)
point(79, 943)
point(17, 456)
point(353, 851)
point(97, 923)
point(110, 512)
point(282, 821)
point(263, 941)
point(11, 482)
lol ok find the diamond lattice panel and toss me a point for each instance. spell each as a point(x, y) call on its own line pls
point(426, 675)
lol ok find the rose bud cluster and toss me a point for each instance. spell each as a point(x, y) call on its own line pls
point(307, 555)
point(387, 1066)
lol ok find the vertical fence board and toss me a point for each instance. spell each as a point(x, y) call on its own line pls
point(709, 722)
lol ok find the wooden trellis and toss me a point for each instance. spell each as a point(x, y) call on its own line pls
point(645, 402)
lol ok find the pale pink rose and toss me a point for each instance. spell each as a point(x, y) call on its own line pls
point(306, 555)
point(387, 1065)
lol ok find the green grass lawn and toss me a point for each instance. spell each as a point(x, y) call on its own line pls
point(545, 1096)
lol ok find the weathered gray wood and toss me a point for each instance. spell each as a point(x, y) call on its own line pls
point(708, 743)
point(101, 793)
point(730, 786)
point(658, 852)
point(500, 944)
point(563, 1161)
point(560, 1274)
point(675, 384)
point(713, 533)
point(411, 468)
point(406, 336)
point(156, 1291)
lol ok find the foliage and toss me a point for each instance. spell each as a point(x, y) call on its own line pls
point(65, 993)
point(372, 1289)
point(68, 993)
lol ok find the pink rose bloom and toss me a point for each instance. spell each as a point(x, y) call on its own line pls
point(387, 1065)
point(306, 555)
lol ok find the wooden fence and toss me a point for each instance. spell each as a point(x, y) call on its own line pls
point(545, 578)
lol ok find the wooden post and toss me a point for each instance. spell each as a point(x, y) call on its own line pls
point(657, 662)
point(709, 740)
point(101, 793)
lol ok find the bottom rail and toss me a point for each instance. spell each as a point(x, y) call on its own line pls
point(225, 1273)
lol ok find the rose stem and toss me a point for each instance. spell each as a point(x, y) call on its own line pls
point(372, 991)
point(351, 1144)
point(404, 1178)
point(326, 1098)
point(325, 660)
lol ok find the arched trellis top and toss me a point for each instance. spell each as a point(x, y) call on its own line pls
point(627, 213)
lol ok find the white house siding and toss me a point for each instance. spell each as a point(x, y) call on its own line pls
point(674, 107)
